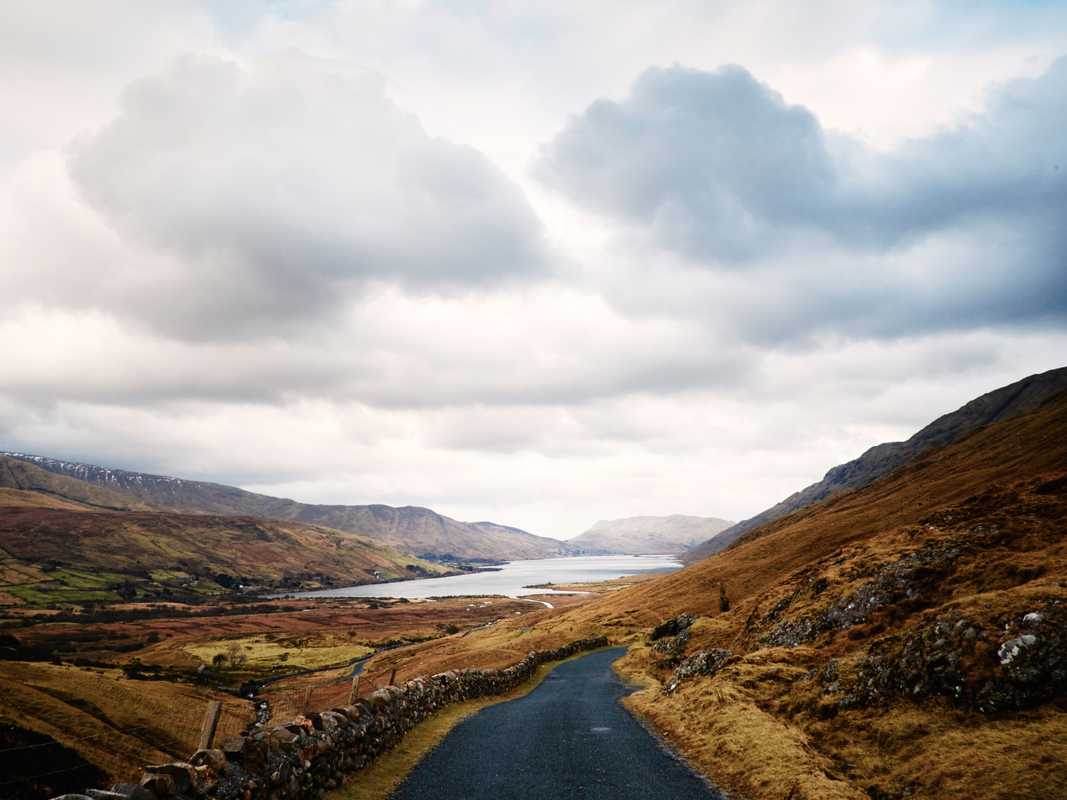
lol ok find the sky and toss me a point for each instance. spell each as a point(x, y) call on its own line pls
point(536, 262)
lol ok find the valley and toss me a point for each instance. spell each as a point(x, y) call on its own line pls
point(865, 645)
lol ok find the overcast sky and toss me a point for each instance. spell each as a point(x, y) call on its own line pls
point(535, 262)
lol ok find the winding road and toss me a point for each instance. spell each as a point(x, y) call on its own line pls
point(569, 738)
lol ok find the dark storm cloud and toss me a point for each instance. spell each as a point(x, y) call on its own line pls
point(965, 227)
point(283, 188)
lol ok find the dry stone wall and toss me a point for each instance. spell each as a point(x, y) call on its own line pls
point(302, 759)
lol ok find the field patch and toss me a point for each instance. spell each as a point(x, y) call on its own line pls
point(267, 652)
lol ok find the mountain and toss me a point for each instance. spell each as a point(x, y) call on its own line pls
point(1005, 403)
point(47, 488)
point(88, 555)
point(904, 639)
point(412, 529)
point(646, 535)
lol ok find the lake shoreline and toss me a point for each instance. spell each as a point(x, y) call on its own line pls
point(512, 579)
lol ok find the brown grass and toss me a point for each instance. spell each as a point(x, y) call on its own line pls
point(120, 724)
point(161, 554)
point(762, 728)
point(21, 498)
point(116, 723)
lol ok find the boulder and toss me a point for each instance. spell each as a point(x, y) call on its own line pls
point(671, 627)
point(214, 760)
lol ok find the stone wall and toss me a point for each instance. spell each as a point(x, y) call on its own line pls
point(302, 759)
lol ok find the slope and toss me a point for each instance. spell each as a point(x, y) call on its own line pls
point(22, 476)
point(1002, 404)
point(410, 528)
point(640, 535)
point(908, 639)
point(55, 555)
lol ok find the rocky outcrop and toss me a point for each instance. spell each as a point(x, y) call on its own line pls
point(911, 580)
point(672, 627)
point(705, 663)
point(312, 754)
point(1017, 666)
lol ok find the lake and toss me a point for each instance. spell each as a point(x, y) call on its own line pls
point(513, 578)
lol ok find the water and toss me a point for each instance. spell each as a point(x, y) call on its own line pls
point(513, 578)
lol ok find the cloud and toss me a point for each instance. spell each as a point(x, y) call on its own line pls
point(253, 265)
point(718, 166)
point(960, 229)
point(283, 188)
point(544, 346)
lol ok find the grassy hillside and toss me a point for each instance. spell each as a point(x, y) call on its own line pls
point(57, 555)
point(908, 639)
point(113, 722)
point(1004, 403)
point(413, 529)
point(17, 475)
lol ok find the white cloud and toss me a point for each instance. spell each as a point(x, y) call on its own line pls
point(297, 247)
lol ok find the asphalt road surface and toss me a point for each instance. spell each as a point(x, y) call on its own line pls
point(569, 738)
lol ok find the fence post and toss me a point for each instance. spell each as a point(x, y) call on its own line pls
point(355, 690)
point(392, 677)
point(210, 724)
point(307, 700)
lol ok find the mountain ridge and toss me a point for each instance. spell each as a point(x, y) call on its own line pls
point(413, 529)
point(672, 533)
point(1001, 404)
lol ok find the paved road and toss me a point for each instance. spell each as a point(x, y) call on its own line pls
point(569, 738)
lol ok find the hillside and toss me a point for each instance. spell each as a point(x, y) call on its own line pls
point(412, 529)
point(55, 555)
point(17, 476)
point(643, 535)
point(1005, 403)
point(907, 639)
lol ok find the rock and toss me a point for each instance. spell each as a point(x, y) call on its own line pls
point(159, 785)
point(1025, 670)
point(672, 646)
point(829, 676)
point(214, 760)
point(181, 773)
point(1033, 618)
point(705, 662)
point(672, 627)
point(909, 579)
point(132, 791)
point(1010, 649)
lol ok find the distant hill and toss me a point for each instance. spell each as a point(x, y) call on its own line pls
point(89, 555)
point(644, 535)
point(1002, 404)
point(17, 475)
point(412, 529)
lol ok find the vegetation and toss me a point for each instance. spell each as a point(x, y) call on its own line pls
point(265, 653)
point(55, 556)
point(851, 624)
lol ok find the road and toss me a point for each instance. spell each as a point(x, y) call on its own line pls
point(569, 738)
